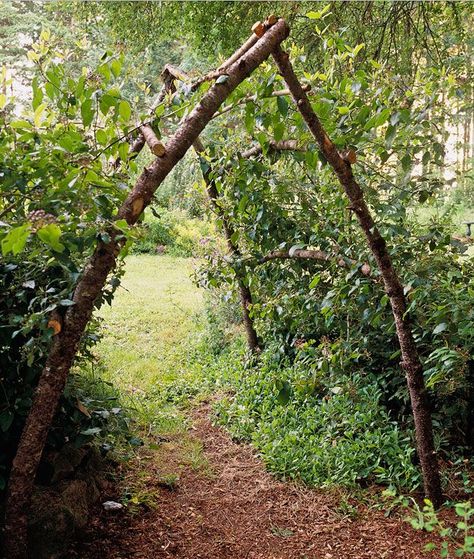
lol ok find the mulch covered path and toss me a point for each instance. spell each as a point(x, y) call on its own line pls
point(241, 512)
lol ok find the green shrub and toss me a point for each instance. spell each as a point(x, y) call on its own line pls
point(456, 541)
point(223, 316)
point(319, 427)
point(175, 233)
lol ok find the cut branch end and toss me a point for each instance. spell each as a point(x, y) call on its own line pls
point(258, 29)
point(271, 20)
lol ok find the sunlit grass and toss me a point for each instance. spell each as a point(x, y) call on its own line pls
point(148, 333)
point(147, 328)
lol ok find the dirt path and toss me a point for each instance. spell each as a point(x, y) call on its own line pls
point(227, 506)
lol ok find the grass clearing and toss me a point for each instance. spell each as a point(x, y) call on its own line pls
point(148, 328)
point(150, 338)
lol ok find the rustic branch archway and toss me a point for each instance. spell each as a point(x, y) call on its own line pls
point(265, 42)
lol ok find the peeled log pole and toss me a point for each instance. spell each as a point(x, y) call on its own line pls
point(64, 347)
point(411, 362)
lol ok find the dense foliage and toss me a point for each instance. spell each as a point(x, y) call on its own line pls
point(58, 196)
point(329, 384)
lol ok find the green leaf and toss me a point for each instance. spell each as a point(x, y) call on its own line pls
point(284, 393)
point(278, 131)
point(378, 119)
point(108, 100)
point(15, 240)
point(390, 135)
point(87, 112)
point(37, 94)
point(50, 234)
point(6, 419)
point(250, 118)
point(102, 138)
point(311, 158)
point(39, 114)
point(116, 67)
point(124, 110)
point(440, 328)
point(406, 162)
point(318, 15)
point(243, 203)
point(123, 150)
point(104, 71)
point(282, 105)
point(21, 123)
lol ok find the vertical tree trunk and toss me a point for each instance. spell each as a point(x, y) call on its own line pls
point(410, 359)
point(244, 291)
point(64, 347)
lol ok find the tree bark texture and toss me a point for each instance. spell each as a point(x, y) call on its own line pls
point(411, 362)
point(65, 344)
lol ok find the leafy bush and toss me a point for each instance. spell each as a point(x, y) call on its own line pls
point(457, 540)
point(176, 232)
point(58, 197)
point(90, 410)
point(223, 316)
point(319, 426)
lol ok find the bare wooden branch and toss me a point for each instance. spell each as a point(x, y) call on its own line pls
point(282, 145)
point(156, 147)
point(411, 362)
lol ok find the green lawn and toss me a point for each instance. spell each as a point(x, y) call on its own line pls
point(150, 330)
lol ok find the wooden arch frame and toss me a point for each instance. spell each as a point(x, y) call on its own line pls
point(265, 41)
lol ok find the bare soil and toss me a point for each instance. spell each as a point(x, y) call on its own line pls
point(226, 506)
